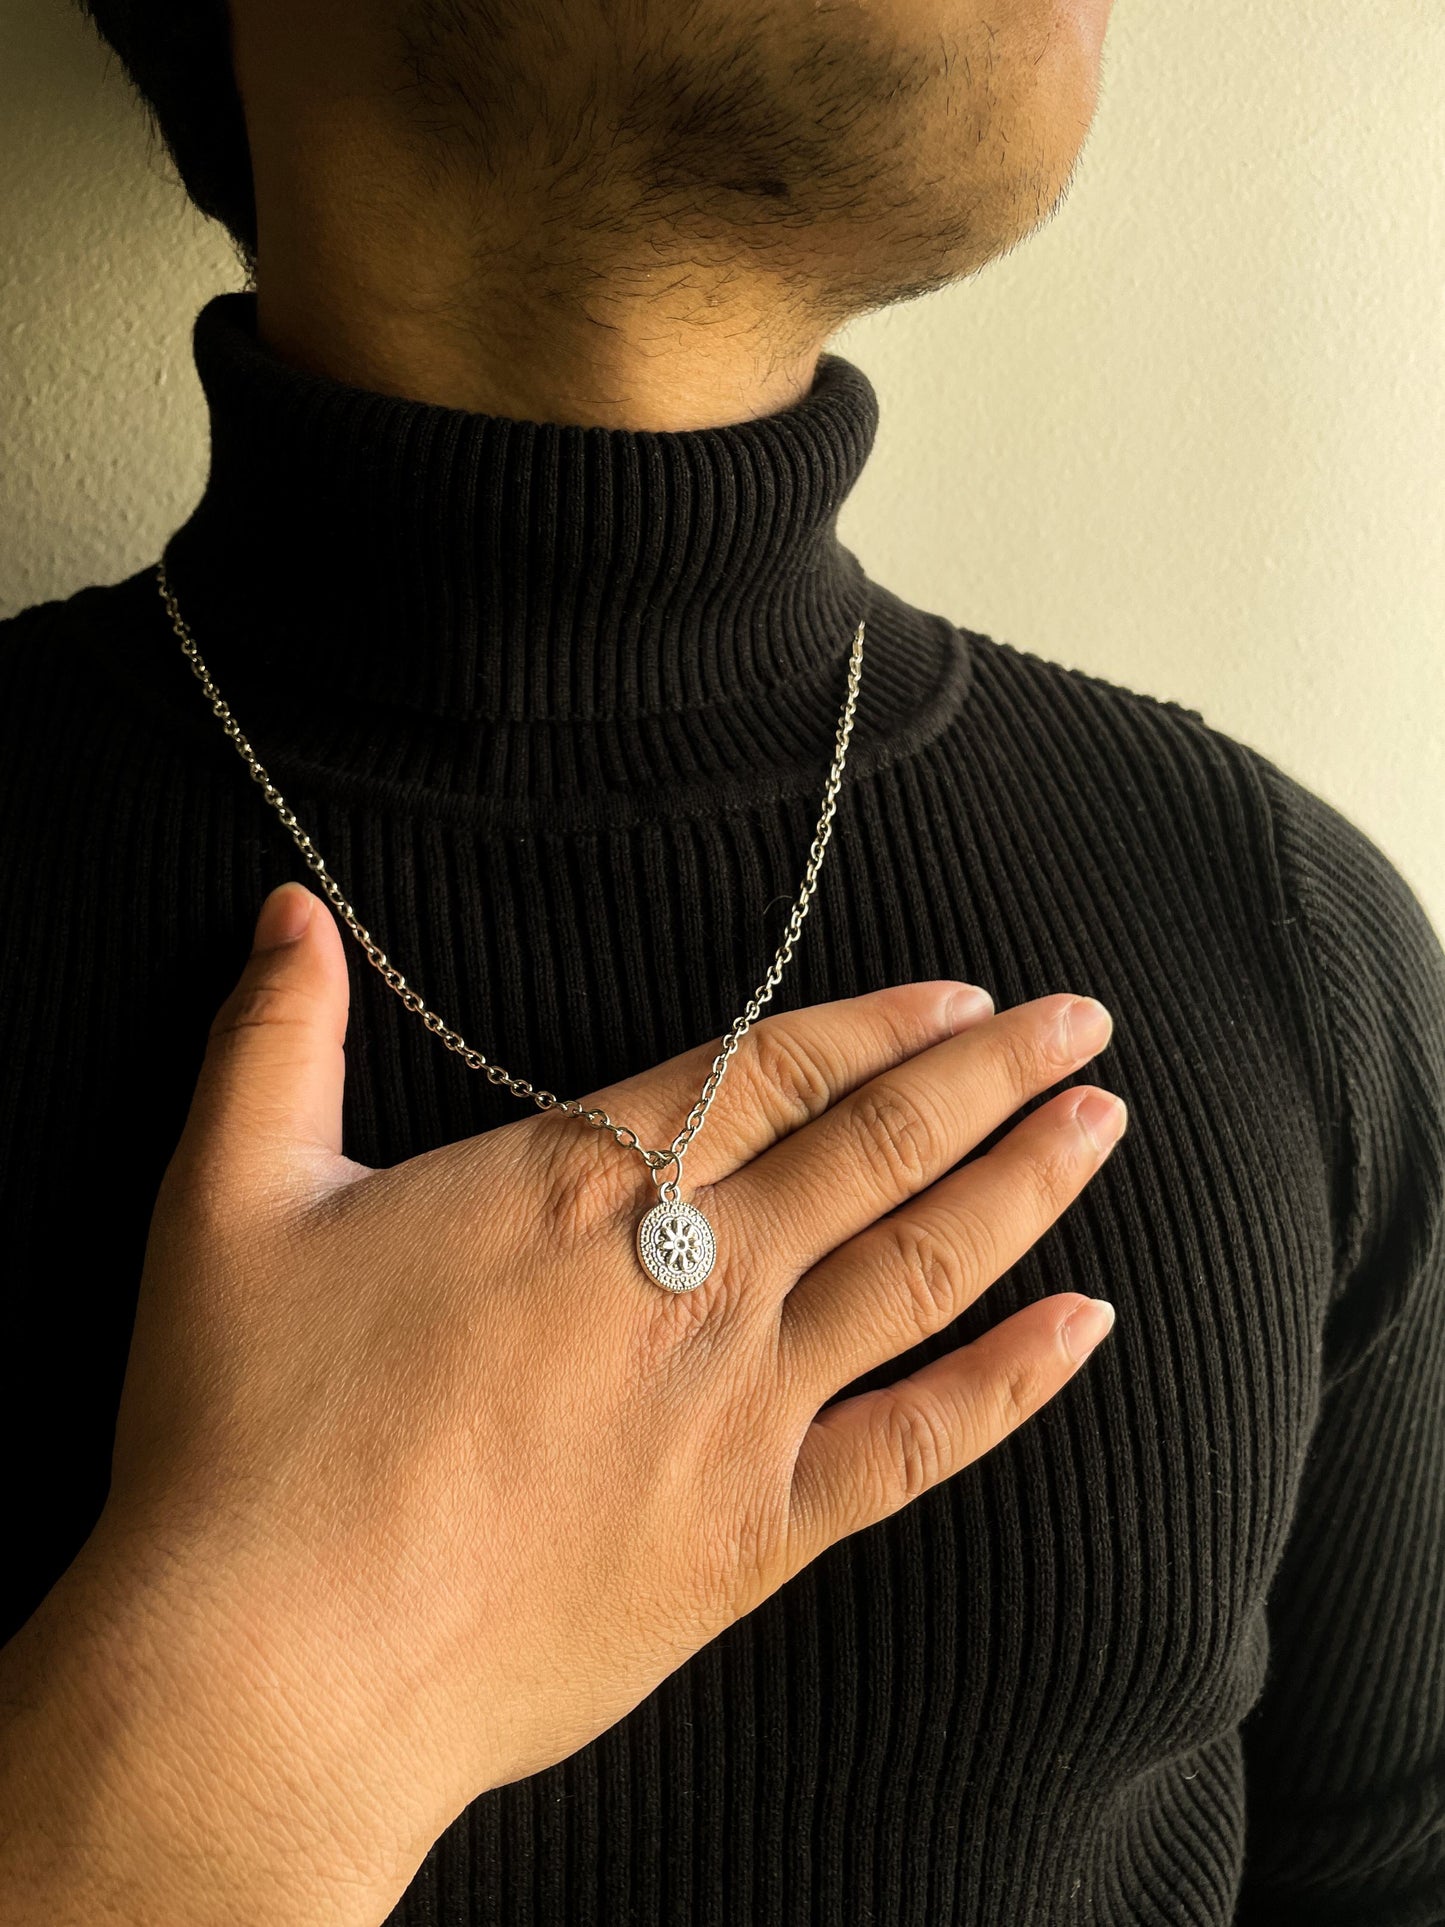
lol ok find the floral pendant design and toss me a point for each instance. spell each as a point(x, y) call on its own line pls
point(676, 1245)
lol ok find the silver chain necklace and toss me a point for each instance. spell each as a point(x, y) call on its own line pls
point(675, 1242)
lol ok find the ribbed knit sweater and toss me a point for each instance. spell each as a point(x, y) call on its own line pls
point(557, 705)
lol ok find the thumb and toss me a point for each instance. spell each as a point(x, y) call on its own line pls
point(272, 1078)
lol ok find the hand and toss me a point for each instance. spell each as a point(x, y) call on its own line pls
point(452, 1480)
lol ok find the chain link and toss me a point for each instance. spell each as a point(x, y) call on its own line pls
point(656, 1160)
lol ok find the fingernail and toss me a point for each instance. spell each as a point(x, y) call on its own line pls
point(1103, 1117)
point(1085, 1026)
point(284, 915)
point(964, 1005)
point(1083, 1329)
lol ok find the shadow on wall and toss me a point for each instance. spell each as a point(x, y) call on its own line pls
point(106, 263)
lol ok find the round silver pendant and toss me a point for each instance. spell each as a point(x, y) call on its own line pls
point(676, 1245)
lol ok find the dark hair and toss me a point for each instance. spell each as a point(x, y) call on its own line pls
point(178, 56)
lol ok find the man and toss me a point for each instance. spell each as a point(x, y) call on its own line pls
point(518, 566)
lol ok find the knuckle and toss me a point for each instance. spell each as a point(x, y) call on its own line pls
point(744, 1553)
point(785, 1065)
point(1050, 1043)
point(913, 1449)
point(1028, 1057)
point(581, 1185)
point(1019, 1392)
point(259, 1004)
point(896, 1134)
point(936, 1272)
point(1052, 1175)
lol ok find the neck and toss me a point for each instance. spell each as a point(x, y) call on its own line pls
point(530, 301)
point(526, 346)
point(544, 278)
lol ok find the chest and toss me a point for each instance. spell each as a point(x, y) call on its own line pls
point(1136, 1519)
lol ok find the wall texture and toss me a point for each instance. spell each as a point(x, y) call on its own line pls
point(1189, 436)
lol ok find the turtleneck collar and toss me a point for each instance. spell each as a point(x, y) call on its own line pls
point(473, 567)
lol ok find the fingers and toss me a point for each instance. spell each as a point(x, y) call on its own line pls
point(270, 1087)
point(905, 1127)
point(868, 1456)
point(786, 1070)
point(912, 1274)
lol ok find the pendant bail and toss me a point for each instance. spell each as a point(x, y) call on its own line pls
point(668, 1187)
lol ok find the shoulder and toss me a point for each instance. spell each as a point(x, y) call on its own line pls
point(77, 665)
point(88, 751)
point(46, 642)
point(1328, 918)
point(1174, 795)
point(24, 635)
point(1139, 741)
point(1325, 864)
point(1375, 961)
point(87, 614)
point(44, 665)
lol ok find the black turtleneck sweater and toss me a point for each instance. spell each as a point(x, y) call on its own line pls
point(557, 705)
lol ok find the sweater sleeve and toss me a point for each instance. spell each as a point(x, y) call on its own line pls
point(1345, 1751)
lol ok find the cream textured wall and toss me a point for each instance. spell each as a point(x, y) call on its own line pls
point(1189, 436)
